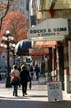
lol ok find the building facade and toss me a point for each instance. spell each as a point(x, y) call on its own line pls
point(47, 9)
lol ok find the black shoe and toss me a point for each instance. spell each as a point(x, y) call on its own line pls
point(16, 95)
point(25, 93)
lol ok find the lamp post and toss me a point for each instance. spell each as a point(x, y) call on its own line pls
point(8, 65)
point(13, 52)
point(7, 40)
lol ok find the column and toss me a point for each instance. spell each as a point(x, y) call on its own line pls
point(66, 68)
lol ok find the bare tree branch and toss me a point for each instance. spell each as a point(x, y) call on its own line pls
point(7, 8)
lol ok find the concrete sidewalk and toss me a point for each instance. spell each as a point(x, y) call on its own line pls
point(66, 96)
point(38, 92)
point(37, 97)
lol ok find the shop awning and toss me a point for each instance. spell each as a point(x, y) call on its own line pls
point(38, 51)
point(22, 47)
point(44, 44)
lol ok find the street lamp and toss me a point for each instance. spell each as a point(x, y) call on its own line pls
point(7, 41)
point(13, 52)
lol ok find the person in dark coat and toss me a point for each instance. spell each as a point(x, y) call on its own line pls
point(37, 70)
point(31, 76)
point(24, 75)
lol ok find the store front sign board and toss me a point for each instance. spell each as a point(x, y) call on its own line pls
point(54, 91)
point(49, 28)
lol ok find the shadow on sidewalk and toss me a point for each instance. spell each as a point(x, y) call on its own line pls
point(33, 104)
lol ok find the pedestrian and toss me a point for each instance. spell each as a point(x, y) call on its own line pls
point(24, 75)
point(31, 76)
point(15, 78)
point(37, 71)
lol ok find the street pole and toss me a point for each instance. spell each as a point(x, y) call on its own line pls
point(13, 56)
point(8, 41)
point(8, 67)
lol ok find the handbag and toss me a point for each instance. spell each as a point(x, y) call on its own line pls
point(15, 78)
point(15, 81)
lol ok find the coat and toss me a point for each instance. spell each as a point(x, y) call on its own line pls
point(15, 75)
point(24, 76)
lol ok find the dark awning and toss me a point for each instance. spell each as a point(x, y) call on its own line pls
point(22, 47)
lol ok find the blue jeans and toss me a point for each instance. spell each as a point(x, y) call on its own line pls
point(15, 89)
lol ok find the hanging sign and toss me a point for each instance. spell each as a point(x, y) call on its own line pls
point(49, 28)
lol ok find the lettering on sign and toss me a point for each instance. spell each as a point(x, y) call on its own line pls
point(56, 86)
point(48, 31)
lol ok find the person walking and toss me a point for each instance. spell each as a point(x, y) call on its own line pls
point(24, 75)
point(31, 76)
point(15, 75)
point(37, 71)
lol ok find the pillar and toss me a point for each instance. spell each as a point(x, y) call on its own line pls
point(50, 64)
point(66, 68)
